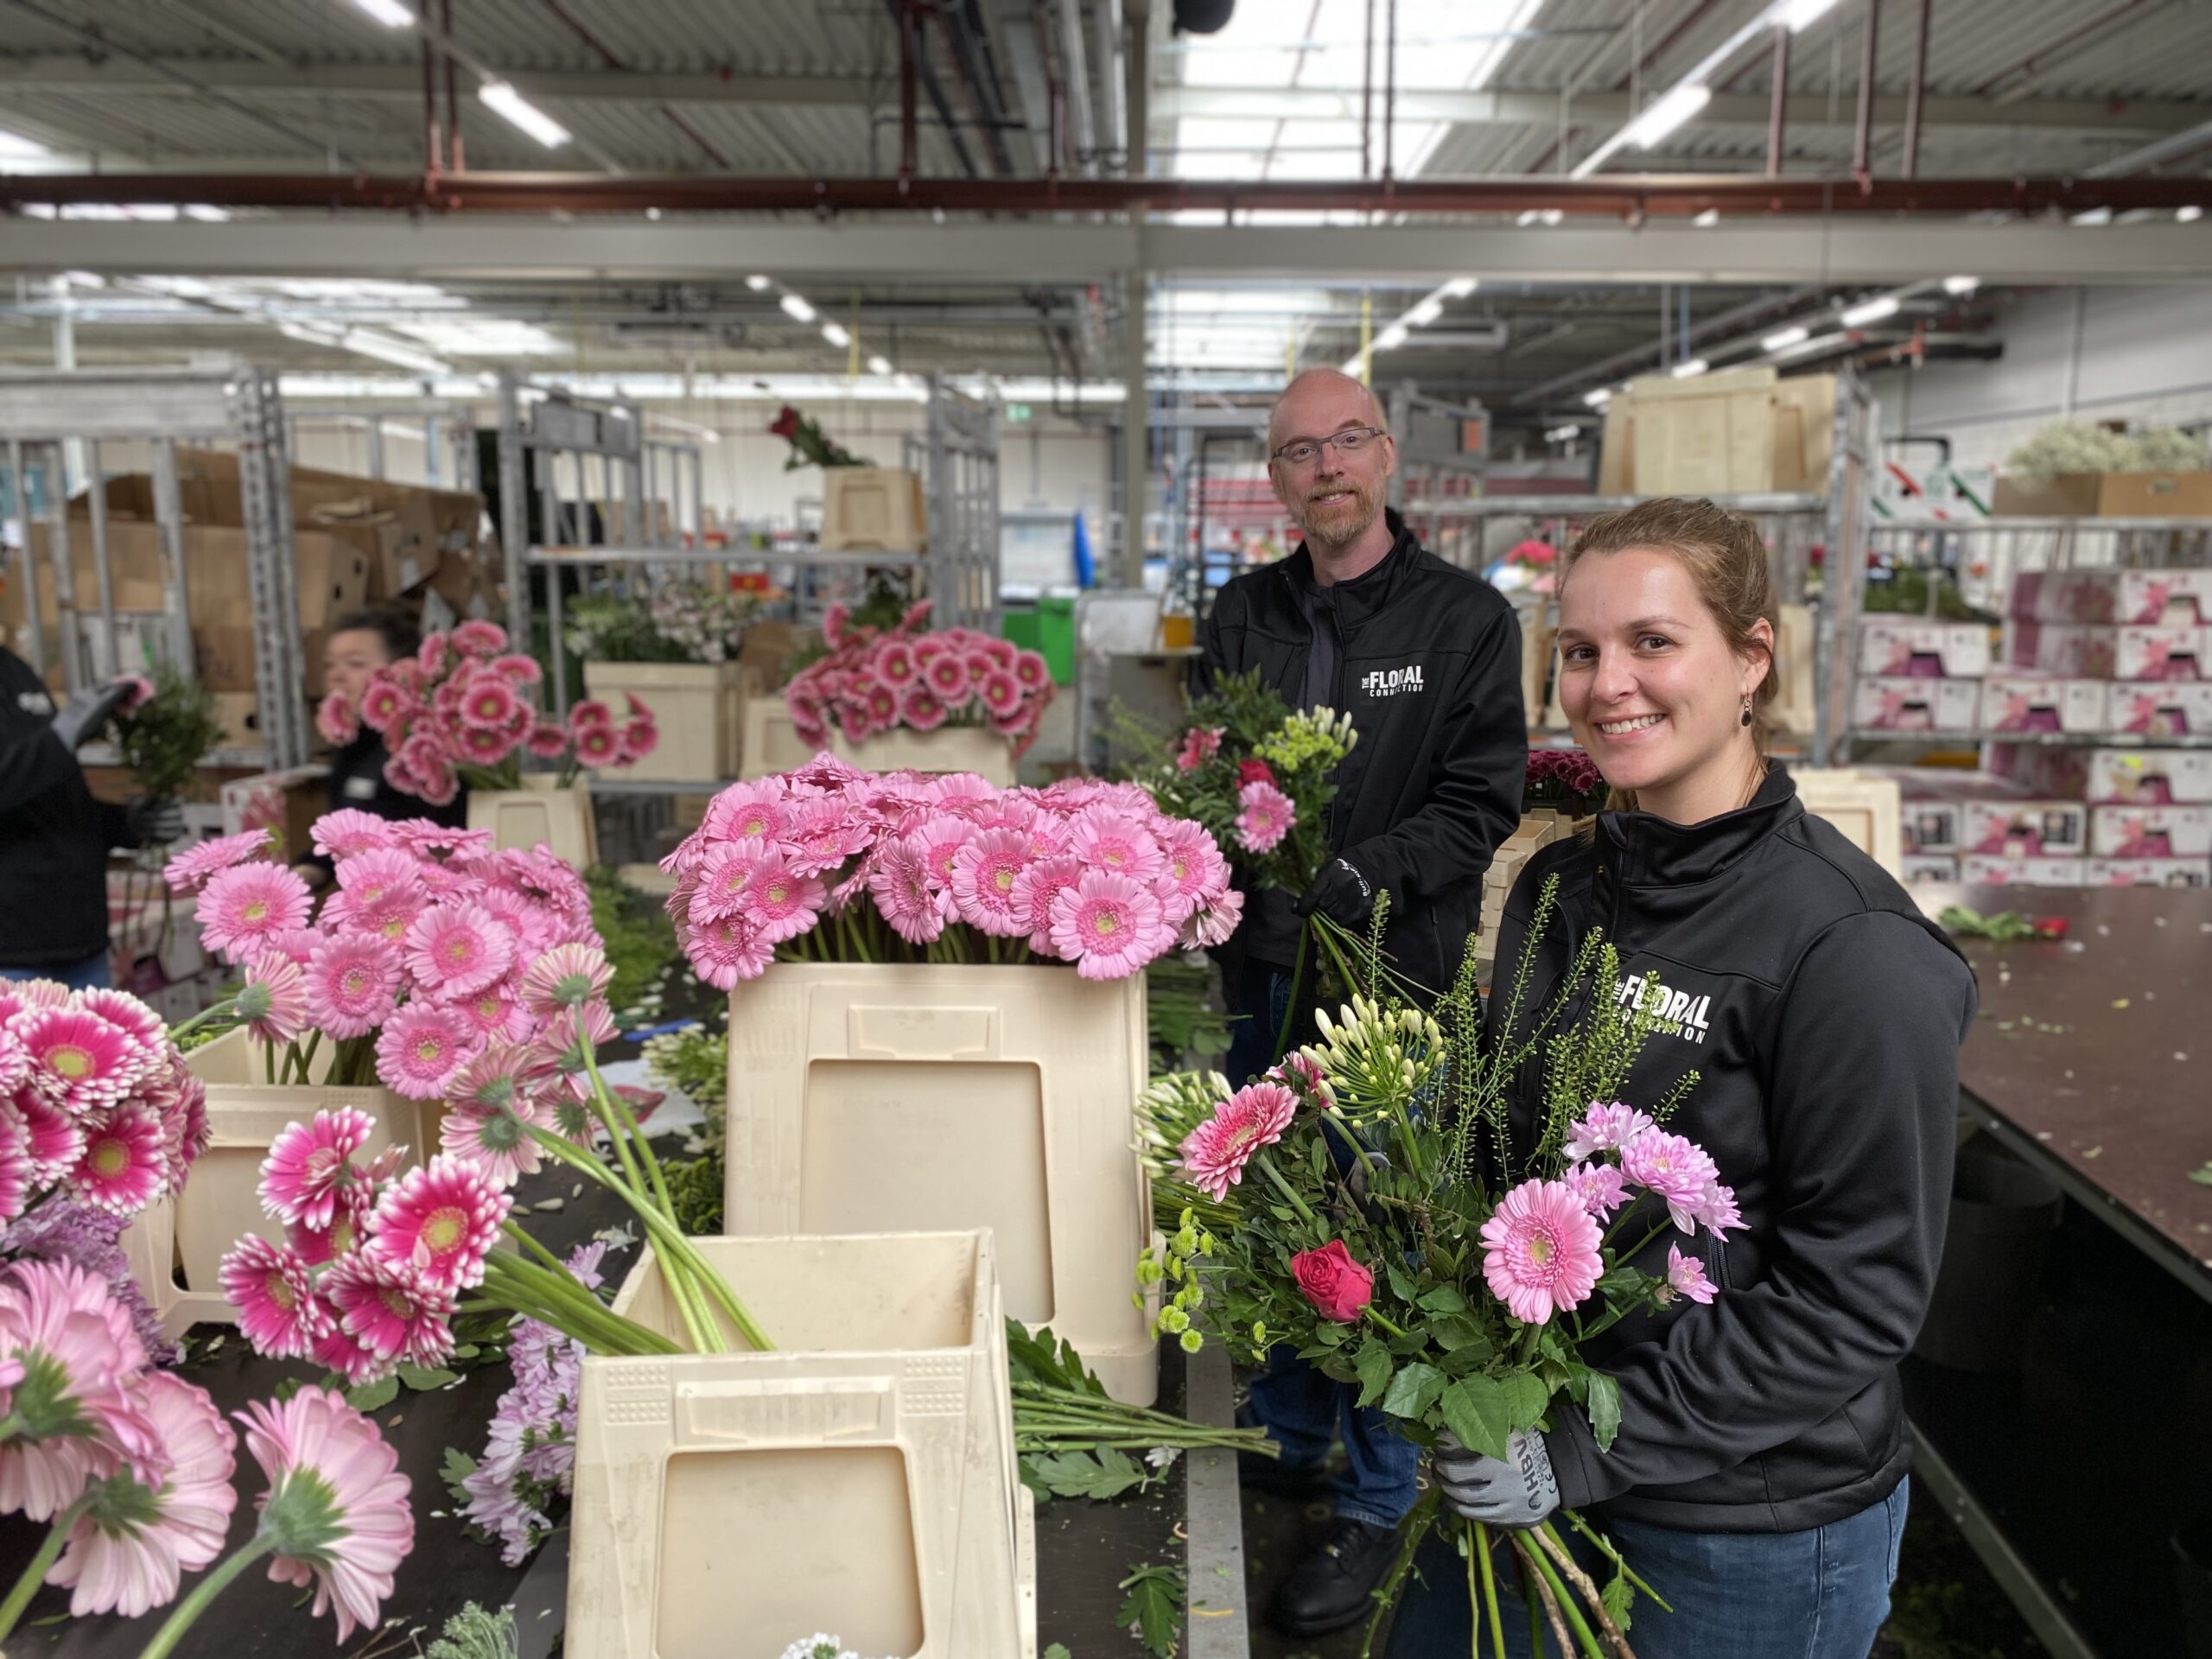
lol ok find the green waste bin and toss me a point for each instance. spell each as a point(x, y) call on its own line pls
point(1056, 638)
point(1020, 627)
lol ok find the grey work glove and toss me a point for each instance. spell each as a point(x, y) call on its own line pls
point(156, 823)
point(1519, 1492)
point(84, 714)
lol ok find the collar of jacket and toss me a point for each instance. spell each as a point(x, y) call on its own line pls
point(1366, 593)
point(1652, 852)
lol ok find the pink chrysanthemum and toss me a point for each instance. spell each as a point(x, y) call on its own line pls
point(1603, 1128)
point(353, 983)
point(1676, 1171)
point(1107, 924)
point(1541, 1251)
point(241, 906)
point(273, 1290)
point(1716, 1210)
point(327, 1466)
point(458, 949)
point(274, 1001)
point(393, 1311)
point(442, 1220)
point(1215, 1154)
point(1120, 843)
point(985, 872)
point(309, 1167)
point(1686, 1277)
point(1035, 889)
point(420, 1049)
point(1599, 1186)
point(1264, 815)
point(188, 872)
point(79, 1060)
point(124, 1167)
point(901, 886)
point(132, 1543)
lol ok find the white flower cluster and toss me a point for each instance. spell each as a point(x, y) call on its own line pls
point(819, 1646)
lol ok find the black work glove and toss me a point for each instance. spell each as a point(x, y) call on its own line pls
point(86, 712)
point(156, 823)
point(1341, 893)
point(1518, 1493)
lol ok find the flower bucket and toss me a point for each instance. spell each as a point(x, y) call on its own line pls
point(866, 1096)
point(862, 1477)
point(2002, 1214)
point(699, 708)
point(770, 745)
point(949, 748)
point(539, 811)
point(175, 1247)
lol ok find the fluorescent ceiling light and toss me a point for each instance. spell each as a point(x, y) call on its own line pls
point(2187, 215)
point(1598, 398)
point(1459, 287)
point(879, 366)
point(390, 13)
point(1782, 341)
point(1707, 219)
point(1668, 113)
point(483, 337)
point(1961, 285)
point(15, 147)
point(1872, 311)
point(756, 283)
point(1696, 366)
point(307, 333)
point(386, 349)
point(503, 101)
point(1391, 337)
point(1425, 313)
point(1797, 15)
point(797, 309)
point(1351, 366)
point(84, 279)
point(835, 334)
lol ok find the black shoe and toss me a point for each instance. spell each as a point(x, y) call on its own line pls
point(1299, 1483)
point(1332, 1587)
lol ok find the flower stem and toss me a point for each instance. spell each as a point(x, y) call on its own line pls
point(229, 1005)
point(203, 1593)
point(1384, 1323)
point(1490, 1592)
point(1569, 1609)
point(1260, 1158)
point(34, 1575)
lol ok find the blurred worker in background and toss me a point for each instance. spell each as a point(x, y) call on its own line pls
point(361, 643)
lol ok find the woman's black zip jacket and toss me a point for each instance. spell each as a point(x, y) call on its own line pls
point(1823, 1016)
point(1428, 666)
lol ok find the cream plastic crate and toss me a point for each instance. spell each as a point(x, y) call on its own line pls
point(175, 1247)
point(539, 812)
point(867, 1095)
point(771, 745)
point(698, 707)
point(861, 1478)
point(872, 509)
point(949, 748)
point(1864, 808)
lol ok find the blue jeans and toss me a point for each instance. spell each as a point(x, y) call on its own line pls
point(93, 974)
point(1259, 998)
point(1304, 1412)
point(1819, 1594)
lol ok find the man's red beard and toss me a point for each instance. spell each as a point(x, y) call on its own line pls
point(1342, 521)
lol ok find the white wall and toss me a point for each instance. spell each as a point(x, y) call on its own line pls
point(2137, 354)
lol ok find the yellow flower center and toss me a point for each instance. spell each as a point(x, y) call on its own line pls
point(1107, 922)
point(108, 1158)
point(400, 1306)
point(70, 1060)
point(777, 893)
point(457, 950)
point(342, 1236)
point(1540, 1251)
point(429, 1050)
point(1003, 880)
point(354, 983)
point(258, 911)
point(444, 1230)
point(279, 1290)
point(394, 928)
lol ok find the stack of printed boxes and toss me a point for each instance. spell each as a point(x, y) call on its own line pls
point(1919, 677)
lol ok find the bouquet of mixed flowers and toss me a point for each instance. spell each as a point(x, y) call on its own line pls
point(1371, 1205)
point(1258, 777)
point(132, 1467)
point(1567, 780)
point(678, 622)
point(876, 679)
point(463, 710)
point(832, 863)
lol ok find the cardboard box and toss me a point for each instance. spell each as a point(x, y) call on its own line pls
point(2159, 708)
point(2028, 828)
point(2150, 831)
point(287, 801)
point(1930, 867)
point(2144, 599)
point(2099, 651)
point(1738, 431)
point(2108, 495)
point(2030, 702)
point(2149, 778)
point(2146, 873)
point(1916, 705)
point(1929, 650)
point(1930, 827)
point(1980, 872)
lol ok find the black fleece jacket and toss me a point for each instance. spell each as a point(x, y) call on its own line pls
point(54, 837)
point(1823, 1015)
point(1428, 666)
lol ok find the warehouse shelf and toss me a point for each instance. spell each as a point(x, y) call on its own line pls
point(2054, 740)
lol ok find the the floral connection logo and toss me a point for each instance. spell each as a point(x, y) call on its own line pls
point(1672, 1014)
point(1391, 682)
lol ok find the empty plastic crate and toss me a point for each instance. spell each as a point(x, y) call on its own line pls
point(539, 812)
point(699, 708)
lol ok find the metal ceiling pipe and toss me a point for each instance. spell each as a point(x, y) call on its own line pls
point(1367, 98)
point(1862, 142)
point(1632, 196)
point(455, 156)
point(1913, 98)
point(1077, 58)
point(910, 52)
point(1779, 108)
point(1109, 79)
point(433, 149)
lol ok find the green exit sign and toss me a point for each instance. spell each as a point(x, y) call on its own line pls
point(1017, 412)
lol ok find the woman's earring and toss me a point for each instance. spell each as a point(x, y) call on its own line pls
point(1747, 711)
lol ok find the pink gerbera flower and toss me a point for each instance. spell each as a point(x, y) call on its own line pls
point(124, 1167)
point(71, 1350)
point(488, 1126)
point(725, 950)
point(384, 704)
point(491, 704)
point(132, 1543)
point(901, 886)
point(353, 983)
point(188, 872)
point(1215, 1154)
point(1035, 889)
point(241, 906)
point(442, 1220)
point(274, 1001)
point(1603, 1128)
point(53, 1139)
point(947, 675)
point(336, 1495)
point(1264, 815)
point(476, 638)
point(1675, 1170)
point(597, 746)
point(79, 1061)
point(1541, 1251)
point(1685, 1277)
point(895, 664)
point(985, 872)
point(337, 719)
point(523, 671)
point(393, 1311)
point(15, 1170)
point(273, 1290)
point(921, 709)
point(420, 1049)
point(1195, 872)
point(1107, 924)
point(565, 976)
point(1200, 745)
point(458, 949)
point(1001, 693)
point(309, 1166)
point(547, 739)
point(781, 903)
point(1033, 671)
point(350, 831)
point(1103, 838)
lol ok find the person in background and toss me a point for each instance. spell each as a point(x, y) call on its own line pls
point(54, 836)
point(1425, 658)
point(360, 642)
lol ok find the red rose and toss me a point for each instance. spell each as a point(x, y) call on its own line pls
point(786, 423)
point(2051, 927)
point(1253, 772)
point(1337, 1286)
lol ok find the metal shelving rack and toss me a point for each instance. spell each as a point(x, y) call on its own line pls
point(1438, 476)
point(227, 402)
point(449, 431)
point(957, 452)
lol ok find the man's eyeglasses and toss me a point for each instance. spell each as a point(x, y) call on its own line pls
point(1350, 441)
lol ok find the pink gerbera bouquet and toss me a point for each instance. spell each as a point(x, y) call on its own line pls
point(831, 863)
point(875, 679)
point(1387, 1204)
point(464, 709)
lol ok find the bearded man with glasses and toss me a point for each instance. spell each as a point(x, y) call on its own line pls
point(1426, 659)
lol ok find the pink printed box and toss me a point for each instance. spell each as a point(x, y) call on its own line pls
point(2159, 708)
point(1980, 872)
point(1923, 649)
point(1930, 867)
point(2032, 702)
point(1916, 705)
point(2149, 778)
point(2024, 828)
point(2095, 652)
point(2151, 832)
point(1930, 826)
point(2140, 598)
point(2146, 872)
